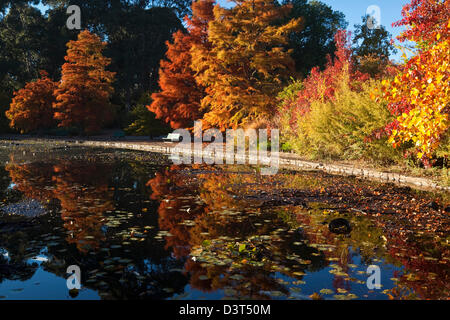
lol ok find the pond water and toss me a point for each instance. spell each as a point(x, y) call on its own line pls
point(139, 227)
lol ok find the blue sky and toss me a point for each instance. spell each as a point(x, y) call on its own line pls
point(390, 11)
point(354, 9)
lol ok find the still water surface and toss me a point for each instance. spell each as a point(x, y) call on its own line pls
point(140, 227)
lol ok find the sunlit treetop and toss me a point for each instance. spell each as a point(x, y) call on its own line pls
point(425, 20)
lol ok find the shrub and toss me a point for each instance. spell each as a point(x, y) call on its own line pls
point(144, 123)
point(319, 86)
point(419, 96)
point(339, 128)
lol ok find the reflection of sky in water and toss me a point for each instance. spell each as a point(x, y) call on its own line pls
point(315, 282)
point(42, 286)
point(5, 254)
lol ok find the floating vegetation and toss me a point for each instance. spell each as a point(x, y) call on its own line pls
point(222, 230)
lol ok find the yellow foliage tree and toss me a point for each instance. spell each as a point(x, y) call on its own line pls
point(247, 64)
point(423, 87)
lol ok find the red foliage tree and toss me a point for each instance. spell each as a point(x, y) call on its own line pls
point(321, 85)
point(82, 98)
point(178, 103)
point(424, 19)
point(31, 107)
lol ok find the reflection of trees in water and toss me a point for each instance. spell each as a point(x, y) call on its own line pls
point(16, 270)
point(87, 192)
point(84, 195)
point(33, 179)
point(15, 231)
point(81, 189)
point(221, 214)
point(253, 283)
point(5, 181)
point(427, 266)
point(169, 187)
point(219, 203)
point(220, 191)
point(16, 245)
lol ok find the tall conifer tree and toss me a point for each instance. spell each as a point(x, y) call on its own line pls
point(82, 97)
point(178, 103)
point(247, 63)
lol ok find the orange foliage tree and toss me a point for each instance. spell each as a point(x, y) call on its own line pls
point(247, 64)
point(81, 189)
point(31, 107)
point(178, 103)
point(82, 98)
point(83, 192)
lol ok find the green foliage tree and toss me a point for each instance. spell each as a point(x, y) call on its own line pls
point(315, 40)
point(21, 42)
point(143, 122)
point(136, 44)
point(371, 49)
point(30, 42)
point(97, 10)
point(372, 41)
point(5, 100)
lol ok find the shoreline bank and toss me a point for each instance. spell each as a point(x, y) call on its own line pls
point(286, 160)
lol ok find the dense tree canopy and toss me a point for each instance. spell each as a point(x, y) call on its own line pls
point(419, 94)
point(29, 42)
point(21, 46)
point(372, 48)
point(82, 97)
point(315, 41)
point(95, 9)
point(247, 63)
point(135, 31)
point(136, 45)
point(372, 41)
point(178, 103)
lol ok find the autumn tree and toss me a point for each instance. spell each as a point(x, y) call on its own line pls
point(372, 48)
point(313, 43)
point(372, 40)
point(31, 107)
point(419, 95)
point(178, 103)
point(247, 64)
point(424, 19)
point(82, 98)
